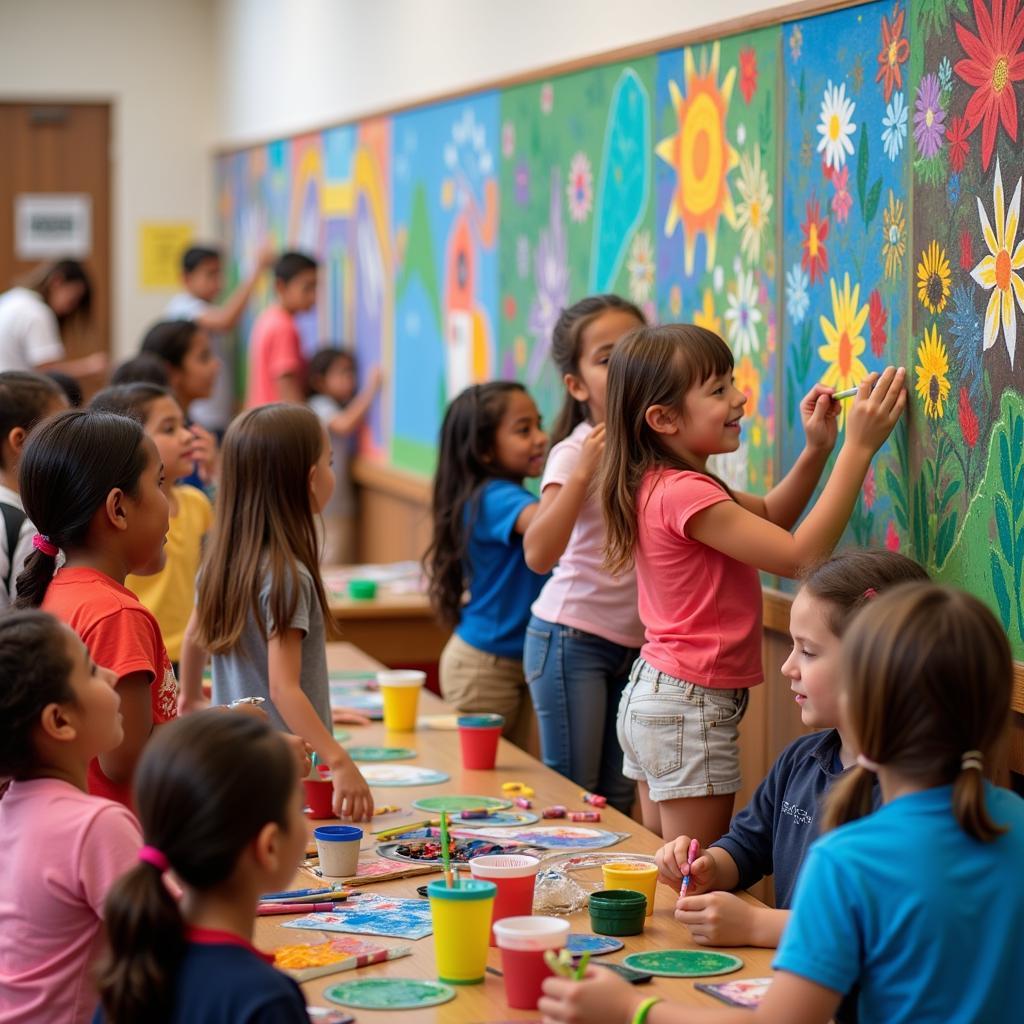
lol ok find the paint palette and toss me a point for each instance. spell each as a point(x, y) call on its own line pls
point(455, 803)
point(424, 849)
point(551, 837)
point(579, 943)
point(402, 775)
point(683, 963)
point(380, 753)
point(390, 993)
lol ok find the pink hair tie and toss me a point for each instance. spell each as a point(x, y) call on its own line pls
point(151, 855)
point(866, 762)
point(870, 593)
point(45, 545)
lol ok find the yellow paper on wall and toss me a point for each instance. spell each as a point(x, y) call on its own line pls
point(161, 244)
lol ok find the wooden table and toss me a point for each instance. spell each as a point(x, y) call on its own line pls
point(397, 629)
point(486, 1002)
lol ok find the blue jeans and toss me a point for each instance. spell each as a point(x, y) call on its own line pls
point(576, 680)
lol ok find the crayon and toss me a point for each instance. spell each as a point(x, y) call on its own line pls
point(594, 799)
point(475, 812)
point(584, 815)
point(523, 802)
point(558, 811)
point(267, 909)
point(386, 809)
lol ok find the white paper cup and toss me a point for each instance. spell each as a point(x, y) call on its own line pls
point(338, 847)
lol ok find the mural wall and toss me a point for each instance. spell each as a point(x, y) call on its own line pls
point(830, 195)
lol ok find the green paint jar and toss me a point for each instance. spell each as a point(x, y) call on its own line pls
point(362, 590)
point(618, 912)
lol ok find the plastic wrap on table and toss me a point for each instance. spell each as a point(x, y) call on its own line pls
point(559, 889)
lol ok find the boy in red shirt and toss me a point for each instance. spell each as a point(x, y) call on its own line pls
point(277, 367)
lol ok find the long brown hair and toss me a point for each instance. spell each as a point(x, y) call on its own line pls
point(846, 581)
point(927, 677)
point(650, 366)
point(264, 523)
point(41, 278)
point(567, 344)
point(195, 800)
point(465, 463)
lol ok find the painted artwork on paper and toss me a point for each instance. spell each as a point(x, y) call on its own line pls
point(445, 200)
point(965, 507)
point(846, 215)
point(715, 173)
point(577, 213)
point(372, 914)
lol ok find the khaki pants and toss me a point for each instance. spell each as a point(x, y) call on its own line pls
point(475, 681)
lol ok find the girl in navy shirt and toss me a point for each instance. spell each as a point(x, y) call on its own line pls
point(193, 962)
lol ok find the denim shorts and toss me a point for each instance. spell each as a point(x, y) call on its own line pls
point(678, 737)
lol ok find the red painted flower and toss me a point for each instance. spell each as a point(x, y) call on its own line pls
point(959, 147)
point(748, 73)
point(510, 307)
point(895, 51)
point(966, 250)
point(877, 316)
point(815, 254)
point(994, 62)
point(842, 200)
point(892, 538)
point(967, 417)
point(868, 490)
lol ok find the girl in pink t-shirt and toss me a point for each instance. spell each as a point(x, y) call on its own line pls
point(585, 632)
point(697, 547)
point(61, 849)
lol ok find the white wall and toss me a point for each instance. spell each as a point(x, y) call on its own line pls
point(154, 60)
point(286, 65)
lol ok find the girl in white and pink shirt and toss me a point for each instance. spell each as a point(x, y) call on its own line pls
point(61, 849)
point(585, 631)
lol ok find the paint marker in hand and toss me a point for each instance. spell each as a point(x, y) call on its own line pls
point(691, 856)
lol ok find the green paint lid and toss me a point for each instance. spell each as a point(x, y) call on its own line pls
point(464, 889)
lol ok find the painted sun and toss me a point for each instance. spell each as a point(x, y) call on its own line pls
point(700, 154)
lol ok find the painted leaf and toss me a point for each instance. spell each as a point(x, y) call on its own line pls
point(999, 586)
point(862, 167)
point(944, 541)
point(953, 488)
point(1003, 528)
point(1005, 466)
point(871, 205)
point(1018, 432)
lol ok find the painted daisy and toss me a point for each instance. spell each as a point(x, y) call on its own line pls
point(580, 188)
point(894, 126)
point(894, 235)
point(836, 125)
point(754, 205)
point(743, 316)
point(797, 299)
point(641, 267)
point(929, 117)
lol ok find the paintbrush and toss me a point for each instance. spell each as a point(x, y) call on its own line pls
point(445, 852)
point(267, 909)
point(691, 856)
point(336, 896)
point(399, 830)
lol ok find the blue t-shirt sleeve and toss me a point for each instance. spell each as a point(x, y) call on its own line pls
point(749, 839)
point(823, 941)
point(499, 506)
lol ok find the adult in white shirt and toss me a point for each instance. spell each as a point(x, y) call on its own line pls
point(31, 318)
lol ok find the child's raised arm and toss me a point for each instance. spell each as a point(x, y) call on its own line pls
point(734, 530)
point(192, 663)
point(345, 422)
point(226, 316)
point(352, 798)
point(549, 531)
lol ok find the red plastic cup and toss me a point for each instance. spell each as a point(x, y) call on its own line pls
point(478, 736)
point(514, 874)
point(523, 942)
point(319, 797)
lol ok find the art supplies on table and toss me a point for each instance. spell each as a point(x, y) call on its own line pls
point(456, 803)
point(380, 753)
point(280, 907)
point(345, 953)
point(390, 993)
point(380, 869)
point(356, 697)
point(439, 723)
point(579, 943)
point(495, 819)
point(683, 963)
point(319, 892)
point(372, 914)
point(402, 775)
point(553, 837)
point(744, 992)
point(424, 847)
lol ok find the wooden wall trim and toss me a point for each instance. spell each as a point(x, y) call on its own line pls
point(777, 15)
point(394, 482)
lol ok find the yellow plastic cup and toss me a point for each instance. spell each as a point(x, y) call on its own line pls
point(637, 877)
point(462, 928)
point(401, 692)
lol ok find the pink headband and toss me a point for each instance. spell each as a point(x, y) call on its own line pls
point(869, 593)
point(45, 545)
point(151, 855)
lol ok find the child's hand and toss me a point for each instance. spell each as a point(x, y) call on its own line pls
point(600, 997)
point(590, 454)
point(204, 452)
point(876, 410)
point(348, 716)
point(819, 413)
point(267, 256)
point(718, 919)
point(188, 707)
point(374, 379)
point(671, 861)
point(352, 797)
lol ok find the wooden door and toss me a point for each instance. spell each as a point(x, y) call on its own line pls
point(53, 147)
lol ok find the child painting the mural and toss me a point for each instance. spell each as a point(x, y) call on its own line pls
point(584, 633)
point(491, 440)
point(697, 548)
point(772, 834)
point(926, 682)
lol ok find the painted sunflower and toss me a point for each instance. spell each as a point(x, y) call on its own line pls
point(933, 278)
point(932, 366)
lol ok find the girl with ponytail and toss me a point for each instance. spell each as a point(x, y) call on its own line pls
point(60, 848)
point(192, 961)
point(91, 482)
point(919, 904)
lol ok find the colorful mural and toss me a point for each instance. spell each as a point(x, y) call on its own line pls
point(830, 195)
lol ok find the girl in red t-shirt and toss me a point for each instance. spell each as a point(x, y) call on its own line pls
point(697, 547)
point(91, 483)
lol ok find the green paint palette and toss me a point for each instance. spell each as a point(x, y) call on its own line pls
point(390, 993)
point(457, 803)
point(380, 753)
point(683, 963)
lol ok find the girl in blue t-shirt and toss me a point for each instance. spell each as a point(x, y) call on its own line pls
point(919, 904)
point(192, 961)
point(491, 440)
